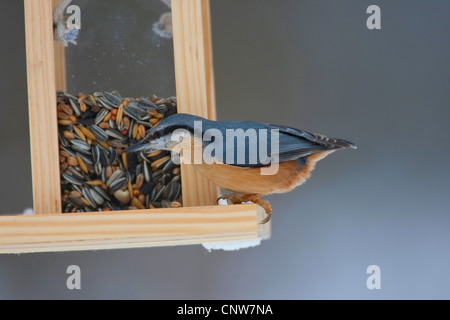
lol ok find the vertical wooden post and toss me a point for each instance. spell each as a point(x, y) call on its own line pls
point(195, 84)
point(60, 60)
point(42, 110)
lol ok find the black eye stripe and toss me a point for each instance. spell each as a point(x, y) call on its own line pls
point(157, 134)
point(168, 130)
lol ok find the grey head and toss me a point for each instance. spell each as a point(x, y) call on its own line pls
point(161, 136)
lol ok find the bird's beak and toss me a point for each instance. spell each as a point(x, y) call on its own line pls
point(136, 147)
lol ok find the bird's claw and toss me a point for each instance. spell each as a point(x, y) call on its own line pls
point(266, 219)
point(255, 198)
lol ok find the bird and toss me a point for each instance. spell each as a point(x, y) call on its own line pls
point(234, 154)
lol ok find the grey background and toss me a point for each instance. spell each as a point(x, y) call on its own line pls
point(312, 65)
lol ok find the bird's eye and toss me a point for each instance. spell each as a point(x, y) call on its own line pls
point(156, 135)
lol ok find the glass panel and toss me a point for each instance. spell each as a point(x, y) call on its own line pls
point(122, 45)
point(120, 83)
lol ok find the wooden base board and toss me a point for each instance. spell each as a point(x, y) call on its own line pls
point(133, 228)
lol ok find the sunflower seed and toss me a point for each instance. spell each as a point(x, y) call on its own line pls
point(166, 177)
point(104, 103)
point(102, 193)
point(159, 193)
point(176, 178)
point(95, 154)
point(69, 151)
point(136, 113)
point(147, 173)
point(96, 197)
point(77, 202)
point(118, 184)
point(63, 141)
point(115, 101)
point(76, 188)
point(81, 150)
point(175, 192)
point(98, 169)
point(104, 157)
point(116, 93)
point(87, 195)
point(112, 157)
point(114, 134)
point(99, 133)
point(86, 159)
point(71, 179)
point(143, 157)
point(80, 144)
point(116, 175)
point(100, 116)
point(146, 104)
point(75, 107)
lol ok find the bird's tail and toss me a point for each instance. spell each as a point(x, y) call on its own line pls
point(332, 143)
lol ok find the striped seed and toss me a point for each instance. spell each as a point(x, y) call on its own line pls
point(125, 160)
point(68, 135)
point(83, 107)
point(141, 130)
point(65, 122)
point(87, 133)
point(72, 161)
point(135, 130)
point(63, 116)
point(95, 182)
point(82, 164)
point(156, 162)
point(79, 133)
point(137, 203)
point(130, 188)
point(126, 123)
point(119, 114)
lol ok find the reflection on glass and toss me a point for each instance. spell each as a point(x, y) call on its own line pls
point(122, 45)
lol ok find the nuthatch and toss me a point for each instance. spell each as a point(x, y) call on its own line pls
point(234, 154)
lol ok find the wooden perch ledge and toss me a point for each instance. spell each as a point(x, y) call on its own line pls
point(126, 229)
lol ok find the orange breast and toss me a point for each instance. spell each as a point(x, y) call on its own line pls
point(249, 180)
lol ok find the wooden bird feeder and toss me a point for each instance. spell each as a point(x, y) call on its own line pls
point(200, 220)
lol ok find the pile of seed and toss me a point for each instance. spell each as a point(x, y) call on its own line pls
point(96, 175)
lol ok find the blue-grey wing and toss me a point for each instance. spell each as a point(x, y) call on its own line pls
point(294, 143)
point(272, 143)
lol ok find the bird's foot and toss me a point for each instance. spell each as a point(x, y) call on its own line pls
point(255, 198)
point(266, 206)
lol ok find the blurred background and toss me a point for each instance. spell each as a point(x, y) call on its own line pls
point(309, 64)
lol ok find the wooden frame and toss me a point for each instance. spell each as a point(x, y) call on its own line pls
point(197, 222)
